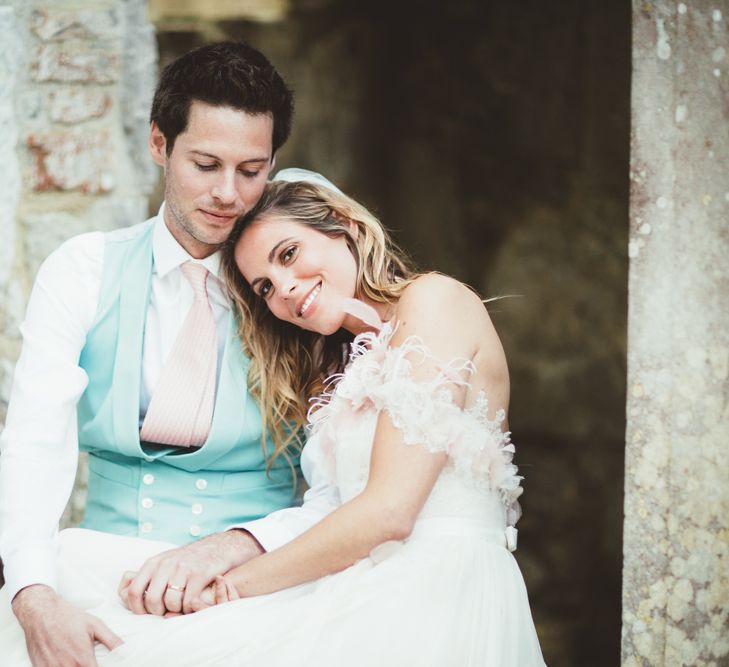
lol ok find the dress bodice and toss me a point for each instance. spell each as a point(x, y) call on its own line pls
point(479, 480)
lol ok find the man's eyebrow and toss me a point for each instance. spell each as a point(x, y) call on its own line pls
point(215, 157)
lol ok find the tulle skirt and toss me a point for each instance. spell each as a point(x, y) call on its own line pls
point(450, 595)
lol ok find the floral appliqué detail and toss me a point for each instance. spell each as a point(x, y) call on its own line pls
point(379, 377)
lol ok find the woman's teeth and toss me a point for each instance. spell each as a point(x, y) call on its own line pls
point(310, 299)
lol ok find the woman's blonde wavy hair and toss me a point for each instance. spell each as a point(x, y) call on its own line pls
point(289, 365)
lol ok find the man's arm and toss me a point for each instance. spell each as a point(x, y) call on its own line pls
point(194, 566)
point(39, 444)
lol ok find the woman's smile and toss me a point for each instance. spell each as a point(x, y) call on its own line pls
point(308, 307)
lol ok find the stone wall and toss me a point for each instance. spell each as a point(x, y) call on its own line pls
point(76, 80)
point(676, 547)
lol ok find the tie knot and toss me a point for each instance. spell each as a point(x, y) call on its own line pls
point(196, 275)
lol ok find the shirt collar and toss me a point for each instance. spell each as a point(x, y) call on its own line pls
point(168, 254)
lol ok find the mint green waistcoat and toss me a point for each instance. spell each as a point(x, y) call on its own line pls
point(169, 494)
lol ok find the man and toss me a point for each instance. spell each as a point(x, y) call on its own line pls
point(130, 352)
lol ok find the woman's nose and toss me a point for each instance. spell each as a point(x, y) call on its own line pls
point(287, 286)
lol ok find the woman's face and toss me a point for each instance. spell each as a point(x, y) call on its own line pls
point(302, 274)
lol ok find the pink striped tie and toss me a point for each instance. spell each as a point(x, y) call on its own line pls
point(181, 408)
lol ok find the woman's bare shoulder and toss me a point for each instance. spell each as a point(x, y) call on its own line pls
point(438, 295)
point(452, 321)
point(449, 315)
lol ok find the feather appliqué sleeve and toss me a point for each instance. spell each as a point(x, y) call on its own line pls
point(379, 377)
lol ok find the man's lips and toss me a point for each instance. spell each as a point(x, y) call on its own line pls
point(219, 217)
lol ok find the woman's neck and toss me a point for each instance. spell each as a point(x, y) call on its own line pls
point(366, 314)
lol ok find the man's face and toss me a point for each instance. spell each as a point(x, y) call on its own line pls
point(217, 170)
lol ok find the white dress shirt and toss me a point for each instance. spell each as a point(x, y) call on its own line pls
point(39, 446)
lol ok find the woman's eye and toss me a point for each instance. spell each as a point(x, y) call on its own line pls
point(249, 174)
point(265, 288)
point(205, 167)
point(288, 254)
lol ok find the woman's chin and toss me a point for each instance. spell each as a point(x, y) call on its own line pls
point(326, 331)
point(323, 328)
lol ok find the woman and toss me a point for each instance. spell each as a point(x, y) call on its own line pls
point(414, 567)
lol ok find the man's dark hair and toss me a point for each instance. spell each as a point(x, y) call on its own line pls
point(231, 74)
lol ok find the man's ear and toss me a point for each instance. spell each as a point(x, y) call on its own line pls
point(157, 144)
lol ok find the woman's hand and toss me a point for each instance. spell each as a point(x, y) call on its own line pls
point(218, 592)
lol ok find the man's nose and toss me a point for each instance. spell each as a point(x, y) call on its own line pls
point(224, 188)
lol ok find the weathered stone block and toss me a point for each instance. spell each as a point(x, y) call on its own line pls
point(44, 232)
point(73, 160)
point(59, 62)
point(30, 105)
point(54, 25)
point(139, 66)
point(70, 105)
point(107, 213)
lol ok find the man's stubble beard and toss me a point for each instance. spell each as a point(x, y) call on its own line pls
point(184, 224)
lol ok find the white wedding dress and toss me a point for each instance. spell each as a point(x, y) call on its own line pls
point(451, 594)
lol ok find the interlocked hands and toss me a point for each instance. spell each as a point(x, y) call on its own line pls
point(189, 578)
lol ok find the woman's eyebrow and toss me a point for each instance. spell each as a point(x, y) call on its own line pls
point(276, 247)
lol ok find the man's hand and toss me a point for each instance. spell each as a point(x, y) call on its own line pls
point(58, 634)
point(173, 580)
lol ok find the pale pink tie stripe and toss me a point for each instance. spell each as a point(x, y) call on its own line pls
point(181, 408)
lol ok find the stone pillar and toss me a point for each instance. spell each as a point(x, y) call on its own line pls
point(676, 535)
point(76, 83)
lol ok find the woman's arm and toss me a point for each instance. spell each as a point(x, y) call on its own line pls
point(384, 511)
point(444, 314)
